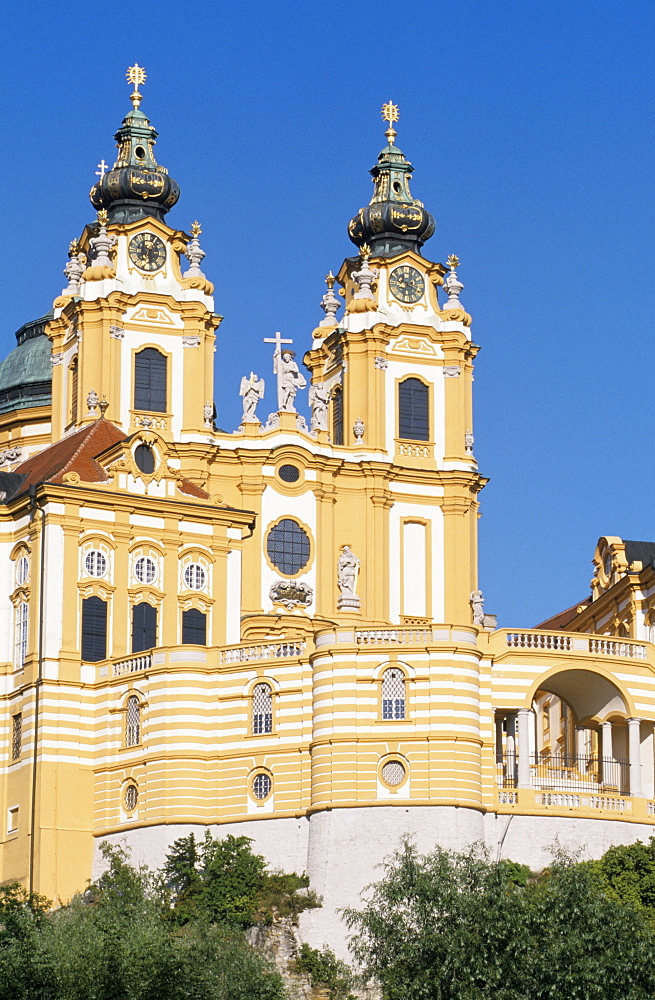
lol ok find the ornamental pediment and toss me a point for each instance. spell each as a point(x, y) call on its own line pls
point(415, 346)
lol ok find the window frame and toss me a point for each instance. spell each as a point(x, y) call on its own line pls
point(152, 625)
point(308, 534)
point(394, 701)
point(186, 612)
point(132, 731)
point(149, 394)
point(403, 383)
point(267, 716)
point(88, 603)
point(21, 632)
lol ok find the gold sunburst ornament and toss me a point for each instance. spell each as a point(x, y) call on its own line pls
point(453, 261)
point(391, 114)
point(196, 229)
point(136, 75)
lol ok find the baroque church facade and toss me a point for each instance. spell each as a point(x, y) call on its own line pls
point(279, 632)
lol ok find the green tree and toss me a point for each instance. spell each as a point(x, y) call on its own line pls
point(449, 926)
point(628, 872)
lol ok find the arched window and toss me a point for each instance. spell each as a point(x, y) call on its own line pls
point(150, 380)
point(393, 694)
point(94, 629)
point(337, 415)
point(413, 410)
point(194, 627)
point(132, 722)
point(262, 709)
point(144, 627)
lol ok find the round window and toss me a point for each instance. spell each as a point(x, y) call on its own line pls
point(288, 547)
point(195, 577)
point(393, 773)
point(289, 473)
point(131, 797)
point(145, 569)
point(95, 563)
point(22, 570)
point(261, 786)
point(144, 457)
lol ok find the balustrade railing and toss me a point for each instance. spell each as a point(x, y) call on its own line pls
point(538, 640)
point(131, 664)
point(263, 651)
point(567, 773)
point(407, 636)
point(616, 647)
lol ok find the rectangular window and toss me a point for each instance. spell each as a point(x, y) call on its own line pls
point(194, 628)
point(144, 627)
point(12, 819)
point(16, 735)
point(413, 410)
point(94, 629)
point(150, 380)
point(20, 647)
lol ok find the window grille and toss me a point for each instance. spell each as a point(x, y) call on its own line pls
point(22, 570)
point(261, 786)
point(94, 629)
point(337, 416)
point(145, 569)
point(393, 773)
point(413, 410)
point(20, 652)
point(150, 381)
point(95, 563)
point(195, 577)
point(262, 709)
point(194, 627)
point(288, 546)
point(144, 627)
point(393, 694)
point(131, 798)
point(16, 735)
point(132, 722)
point(289, 473)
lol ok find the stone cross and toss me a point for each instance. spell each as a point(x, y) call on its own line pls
point(278, 340)
point(104, 167)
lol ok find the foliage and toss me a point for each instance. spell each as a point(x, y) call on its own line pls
point(452, 926)
point(326, 972)
point(628, 872)
point(223, 881)
point(116, 943)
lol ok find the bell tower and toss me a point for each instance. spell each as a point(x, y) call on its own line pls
point(399, 368)
point(133, 333)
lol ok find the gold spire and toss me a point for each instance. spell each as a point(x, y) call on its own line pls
point(196, 229)
point(136, 75)
point(390, 114)
point(453, 261)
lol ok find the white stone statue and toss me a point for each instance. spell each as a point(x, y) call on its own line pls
point(319, 400)
point(477, 607)
point(289, 380)
point(347, 572)
point(358, 430)
point(208, 413)
point(92, 400)
point(252, 390)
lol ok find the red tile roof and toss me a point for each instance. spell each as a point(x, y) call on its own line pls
point(76, 453)
point(564, 618)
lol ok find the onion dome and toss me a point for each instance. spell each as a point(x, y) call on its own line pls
point(393, 221)
point(26, 373)
point(136, 186)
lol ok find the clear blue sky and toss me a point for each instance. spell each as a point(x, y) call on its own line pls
point(530, 126)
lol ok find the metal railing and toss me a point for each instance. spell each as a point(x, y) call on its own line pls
point(567, 773)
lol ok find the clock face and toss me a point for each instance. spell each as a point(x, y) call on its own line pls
point(147, 251)
point(407, 283)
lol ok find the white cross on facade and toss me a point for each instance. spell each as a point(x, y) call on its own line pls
point(104, 167)
point(278, 340)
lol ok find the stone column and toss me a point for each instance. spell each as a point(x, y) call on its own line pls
point(606, 754)
point(524, 721)
point(510, 744)
point(580, 744)
point(634, 755)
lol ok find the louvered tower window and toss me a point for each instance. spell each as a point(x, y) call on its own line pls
point(72, 371)
point(262, 709)
point(194, 628)
point(337, 416)
point(94, 629)
point(144, 627)
point(16, 735)
point(132, 722)
point(413, 410)
point(393, 694)
point(150, 380)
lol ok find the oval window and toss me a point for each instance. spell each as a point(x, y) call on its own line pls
point(288, 546)
point(95, 563)
point(144, 457)
point(195, 577)
point(261, 786)
point(145, 569)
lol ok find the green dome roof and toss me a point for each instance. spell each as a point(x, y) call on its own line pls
point(26, 373)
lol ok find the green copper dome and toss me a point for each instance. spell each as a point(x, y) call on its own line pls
point(26, 373)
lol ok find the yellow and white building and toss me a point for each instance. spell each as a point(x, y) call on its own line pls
point(279, 632)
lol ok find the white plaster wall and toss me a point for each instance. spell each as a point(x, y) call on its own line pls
point(233, 602)
point(422, 512)
point(53, 606)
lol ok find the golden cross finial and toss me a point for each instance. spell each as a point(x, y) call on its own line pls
point(453, 261)
point(329, 279)
point(103, 217)
point(136, 75)
point(73, 248)
point(390, 114)
point(196, 229)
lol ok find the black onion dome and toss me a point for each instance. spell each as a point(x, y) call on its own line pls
point(393, 221)
point(136, 186)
